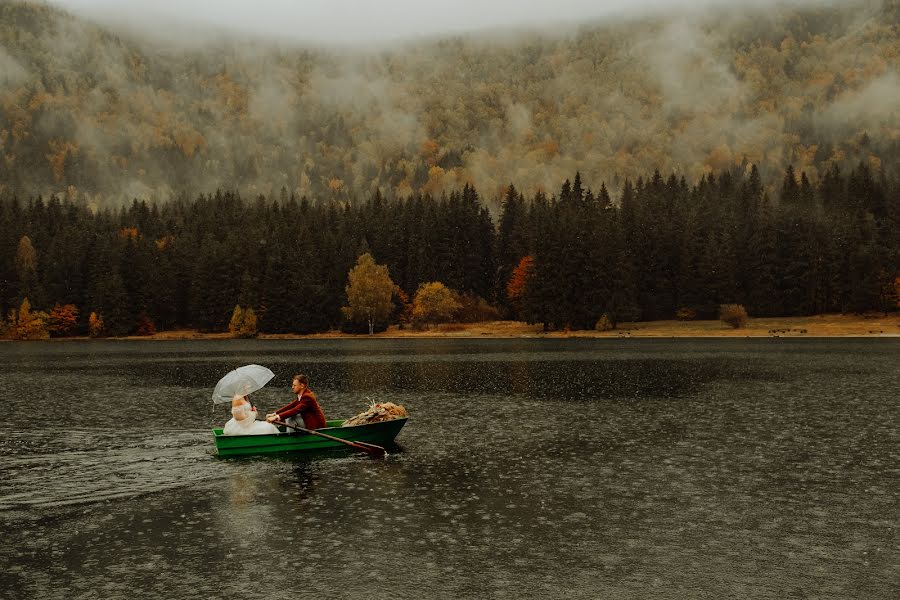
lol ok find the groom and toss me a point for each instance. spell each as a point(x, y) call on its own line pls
point(305, 405)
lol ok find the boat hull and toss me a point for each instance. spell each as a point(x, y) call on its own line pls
point(380, 433)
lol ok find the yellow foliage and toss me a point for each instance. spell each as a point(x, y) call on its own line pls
point(434, 303)
point(435, 183)
point(248, 327)
point(403, 189)
point(189, 141)
point(235, 95)
point(59, 151)
point(369, 292)
point(243, 322)
point(39, 100)
point(95, 325)
point(720, 158)
point(26, 324)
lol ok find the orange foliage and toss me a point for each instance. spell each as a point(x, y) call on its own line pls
point(95, 325)
point(897, 290)
point(62, 319)
point(429, 150)
point(515, 287)
point(335, 184)
point(406, 307)
point(129, 233)
point(550, 148)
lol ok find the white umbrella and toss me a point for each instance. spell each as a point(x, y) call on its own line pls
point(240, 382)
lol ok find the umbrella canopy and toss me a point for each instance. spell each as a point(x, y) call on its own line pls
point(240, 382)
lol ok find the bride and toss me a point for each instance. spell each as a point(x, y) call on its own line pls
point(243, 420)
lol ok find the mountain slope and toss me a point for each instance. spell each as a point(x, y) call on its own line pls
point(107, 117)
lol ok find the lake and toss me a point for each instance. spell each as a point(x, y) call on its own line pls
point(533, 468)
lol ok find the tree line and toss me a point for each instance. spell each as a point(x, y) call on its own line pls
point(578, 258)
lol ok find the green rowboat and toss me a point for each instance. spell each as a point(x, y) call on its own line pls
point(380, 433)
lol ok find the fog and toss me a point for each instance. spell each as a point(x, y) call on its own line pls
point(361, 22)
point(96, 111)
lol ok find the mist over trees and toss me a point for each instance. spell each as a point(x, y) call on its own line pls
point(103, 118)
point(576, 259)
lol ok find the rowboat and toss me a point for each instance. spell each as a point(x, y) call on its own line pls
point(380, 433)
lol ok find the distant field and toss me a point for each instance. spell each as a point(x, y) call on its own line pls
point(824, 325)
point(817, 326)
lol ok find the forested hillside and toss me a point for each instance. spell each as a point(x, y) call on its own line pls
point(105, 117)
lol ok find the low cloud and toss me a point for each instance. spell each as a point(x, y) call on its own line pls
point(11, 72)
point(873, 106)
point(361, 22)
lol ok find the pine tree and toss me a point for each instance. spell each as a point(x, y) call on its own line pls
point(214, 286)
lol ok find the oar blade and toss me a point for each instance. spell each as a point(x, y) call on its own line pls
point(372, 449)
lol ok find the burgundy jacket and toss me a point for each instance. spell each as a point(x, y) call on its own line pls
point(307, 407)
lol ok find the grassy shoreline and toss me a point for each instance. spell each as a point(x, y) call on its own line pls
point(834, 325)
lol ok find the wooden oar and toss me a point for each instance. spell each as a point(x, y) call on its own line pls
point(364, 446)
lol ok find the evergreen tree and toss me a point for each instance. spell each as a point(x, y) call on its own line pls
point(215, 286)
point(107, 296)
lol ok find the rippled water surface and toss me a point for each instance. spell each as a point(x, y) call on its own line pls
point(528, 469)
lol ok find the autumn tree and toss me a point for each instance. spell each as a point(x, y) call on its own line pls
point(369, 292)
point(26, 324)
point(248, 325)
point(62, 320)
point(243, 322)
point(95, 325)
point(237, 318)
point(515, 287)
point(512, 237)
point(434, 303)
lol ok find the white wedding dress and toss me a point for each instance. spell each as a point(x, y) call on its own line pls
point(248, 426)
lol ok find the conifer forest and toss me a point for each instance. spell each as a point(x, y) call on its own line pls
point(663, 249)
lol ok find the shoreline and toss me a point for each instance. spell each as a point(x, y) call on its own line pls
point(795, 327)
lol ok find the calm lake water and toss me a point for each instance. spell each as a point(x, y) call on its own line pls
point(528, 469)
